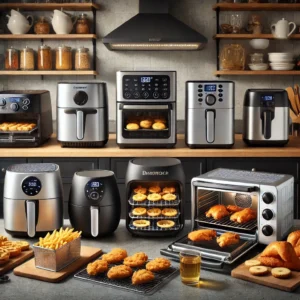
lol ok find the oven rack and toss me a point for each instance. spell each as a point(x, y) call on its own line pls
point(131, 216)
point(154, 227)
point(18, 131)
point(226, 222)
point(145, 130)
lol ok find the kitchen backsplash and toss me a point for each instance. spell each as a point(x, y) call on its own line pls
point(189, 65)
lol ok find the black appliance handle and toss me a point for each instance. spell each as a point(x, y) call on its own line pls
point(226, 187)
point(205, 264)
point(267, 124)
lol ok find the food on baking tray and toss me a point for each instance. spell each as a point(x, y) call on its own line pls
point(132, 126)
point(259, 270)
point(17, 126)
point(140, 190)
point(154, 197)
point(4, 257)
point(281, 273)
point(169, 212)
point(217, 212)
point(119, 272)
point(154, 189)
point(169, 190)
point(139, 211)
point(227, 239)
point(158, 264)
point(136, 260)
point(97, 267)
point(142, 276)
point(233, 208)
point(146, 124)
point(154, 212)
point(139, 197)
point(202, 235)
point(243, 216)
point(165, 223)
point(160, 120)
point(59, 238)
point(141, 223)
point(294, 240)
point(169, 197)
point(115, 255)
point(280, 254)
point(252, 263)
point(158, 126)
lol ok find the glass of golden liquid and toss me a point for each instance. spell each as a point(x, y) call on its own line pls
point(190, 263)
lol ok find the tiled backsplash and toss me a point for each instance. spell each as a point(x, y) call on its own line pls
point(189, 65)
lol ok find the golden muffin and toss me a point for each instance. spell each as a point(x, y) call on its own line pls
point(158, 126)
point(132, 126)
point(146, 124)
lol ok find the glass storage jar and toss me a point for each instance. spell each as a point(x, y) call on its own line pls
point(11, 59)
point(63, 58)
point(27, 59)
point(42, 26)
point(83, 25)
point(44, 58)
point(232, 57)
point(257, 58)
point(82, 59)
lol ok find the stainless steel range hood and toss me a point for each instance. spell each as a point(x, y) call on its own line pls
point(153, 28)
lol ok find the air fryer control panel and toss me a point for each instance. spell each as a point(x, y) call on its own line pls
point(145, 87)
point(14, 104)
point(31, 186)
point(94, 190)
point(210, 93)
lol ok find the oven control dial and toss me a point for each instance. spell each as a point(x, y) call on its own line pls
point(267, 214)
point(31, 186)
point(210, 100)
point(267, 230)
point(81, 98)
point(14, 106)
point(268, 198)
point(94, 190)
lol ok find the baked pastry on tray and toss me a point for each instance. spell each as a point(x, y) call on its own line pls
point(243, 216)
point(202, 235)
point(228, 238)
point(294, 240)
point(217, 212)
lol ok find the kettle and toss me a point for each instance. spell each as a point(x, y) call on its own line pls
point(62, 23)
point(19, 24)
point(281, 30)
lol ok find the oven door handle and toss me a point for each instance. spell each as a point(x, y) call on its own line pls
point(226, 187)
point(144, 107)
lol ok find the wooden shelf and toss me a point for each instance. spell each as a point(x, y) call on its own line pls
point(246, 36)
point(257, 6)
point(50, 6)
point(48, 73)
point(48, 36)
point(252, 73)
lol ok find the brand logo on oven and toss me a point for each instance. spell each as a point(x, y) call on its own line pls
point(155, 173)
point(79, 87)
point(154, 39)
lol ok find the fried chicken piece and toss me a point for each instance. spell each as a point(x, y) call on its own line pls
point(294, 240)
point(158, 264)
point(202, 235)
point(217, 212)
point(136, 260)
point(115, 255)
point(280, 254)
point(227, 239)
point(97, 267)
point(119, 272)
point(142, 276)
point(233, 208)
point(243, 216)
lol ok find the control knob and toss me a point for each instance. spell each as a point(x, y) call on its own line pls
point(267, 230)
point(267, 214)
point(210, 99)
point(2, 102)
point(268, 198)
point(81, 98)
point(14, 106)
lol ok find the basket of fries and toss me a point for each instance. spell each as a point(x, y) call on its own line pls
point(57, 250)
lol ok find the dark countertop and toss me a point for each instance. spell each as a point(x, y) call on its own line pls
point(213, 285)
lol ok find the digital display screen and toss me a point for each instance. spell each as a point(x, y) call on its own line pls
point(267, 98)
point(146, 79)
point(210, 88)
point(95, 184)
point(15, 99)
point(32, 184)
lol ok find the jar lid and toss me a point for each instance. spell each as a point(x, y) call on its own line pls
point(44, 47)
point(82, 49)
point(11, 49)
point(63, 47)
point(83, 16)
point(27, 49)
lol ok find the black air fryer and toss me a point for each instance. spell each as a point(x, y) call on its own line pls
point(155, 172)
point(94, 203)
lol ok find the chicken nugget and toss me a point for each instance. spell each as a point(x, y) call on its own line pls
point(158, 264)
point(97, 267)
point(119, 272)
point(142, 276)
point(115, 255)
point(136, 260)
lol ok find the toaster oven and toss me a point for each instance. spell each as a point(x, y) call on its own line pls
point(270, 195)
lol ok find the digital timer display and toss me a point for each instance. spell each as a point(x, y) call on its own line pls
point(146, 79)
point(210, 88)
point(267, 98)
point(95, 184)
point(32, 183)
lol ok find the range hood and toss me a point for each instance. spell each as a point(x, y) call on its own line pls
point(153, 28)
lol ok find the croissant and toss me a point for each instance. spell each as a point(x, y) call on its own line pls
point(202, 235)
point(243, 216)
point(294, 240)
point(227, 239)
point(217, 212)
point(280, 254)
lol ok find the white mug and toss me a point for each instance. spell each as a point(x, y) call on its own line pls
point(281, 30)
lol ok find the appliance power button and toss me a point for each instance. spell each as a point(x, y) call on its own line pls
point(14, 106)
point(94, 195)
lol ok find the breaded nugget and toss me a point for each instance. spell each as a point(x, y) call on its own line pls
point(13, 251)
point(154, 189)
point(97, 267)
point(115, 255)
point(136, 260)
point(142, 276)
point(158, 264)
point(19, 244)
point(119, 272)
point(140, 190)
point(202, 235)
point(169, 190)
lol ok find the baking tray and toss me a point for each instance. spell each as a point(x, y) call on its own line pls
point(154, 227)
point(18, 131)
point(149, 288)
point(160, 203)
point(146, 130)
point(131, 216)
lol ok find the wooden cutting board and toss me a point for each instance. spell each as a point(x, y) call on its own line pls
point(14, 262)
point(30, 271)
point(288, 285)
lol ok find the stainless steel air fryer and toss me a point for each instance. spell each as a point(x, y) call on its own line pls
point(94, 203)
point(266, 117)
point(33, 199)
point(82, 114)
point(209, 114)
